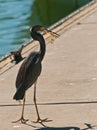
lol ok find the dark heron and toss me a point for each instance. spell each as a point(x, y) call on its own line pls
point(30, 71)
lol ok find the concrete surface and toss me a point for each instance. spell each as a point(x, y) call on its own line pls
point(67, 87)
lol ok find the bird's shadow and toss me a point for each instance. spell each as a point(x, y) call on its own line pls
point(59, 128)
point(88, 127)
point(54, 128)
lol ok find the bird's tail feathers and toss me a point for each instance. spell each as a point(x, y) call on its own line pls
point(19, 95)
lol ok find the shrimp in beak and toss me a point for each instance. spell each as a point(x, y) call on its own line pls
point(52, 34)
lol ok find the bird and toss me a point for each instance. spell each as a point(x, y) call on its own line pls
point(30, 71)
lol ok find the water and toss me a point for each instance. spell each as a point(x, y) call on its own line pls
point(17, 16)
point(14, 23)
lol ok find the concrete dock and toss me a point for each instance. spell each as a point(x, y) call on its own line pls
point(67, 87)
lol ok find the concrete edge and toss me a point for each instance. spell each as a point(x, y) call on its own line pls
point(58, 27)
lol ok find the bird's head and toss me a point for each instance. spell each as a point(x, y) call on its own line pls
point(38, 28)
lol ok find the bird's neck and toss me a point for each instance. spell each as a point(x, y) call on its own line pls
point(42, 47)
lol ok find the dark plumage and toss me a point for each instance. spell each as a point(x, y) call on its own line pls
point(28, 74)
point(30, 70)
point(31, 67)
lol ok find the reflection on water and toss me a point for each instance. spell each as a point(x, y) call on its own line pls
point(16, 17)
point(50, 11)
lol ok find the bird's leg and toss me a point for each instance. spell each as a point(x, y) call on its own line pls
point(39, 120)
point(22, 120)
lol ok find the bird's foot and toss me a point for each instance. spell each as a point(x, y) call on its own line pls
point(41, 120)
point(22, 120)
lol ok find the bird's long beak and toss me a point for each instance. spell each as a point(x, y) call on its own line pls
point(52, 34)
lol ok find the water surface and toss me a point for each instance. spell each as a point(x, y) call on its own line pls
point(17, 16)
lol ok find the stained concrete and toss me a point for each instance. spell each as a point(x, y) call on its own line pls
point(67, 87)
